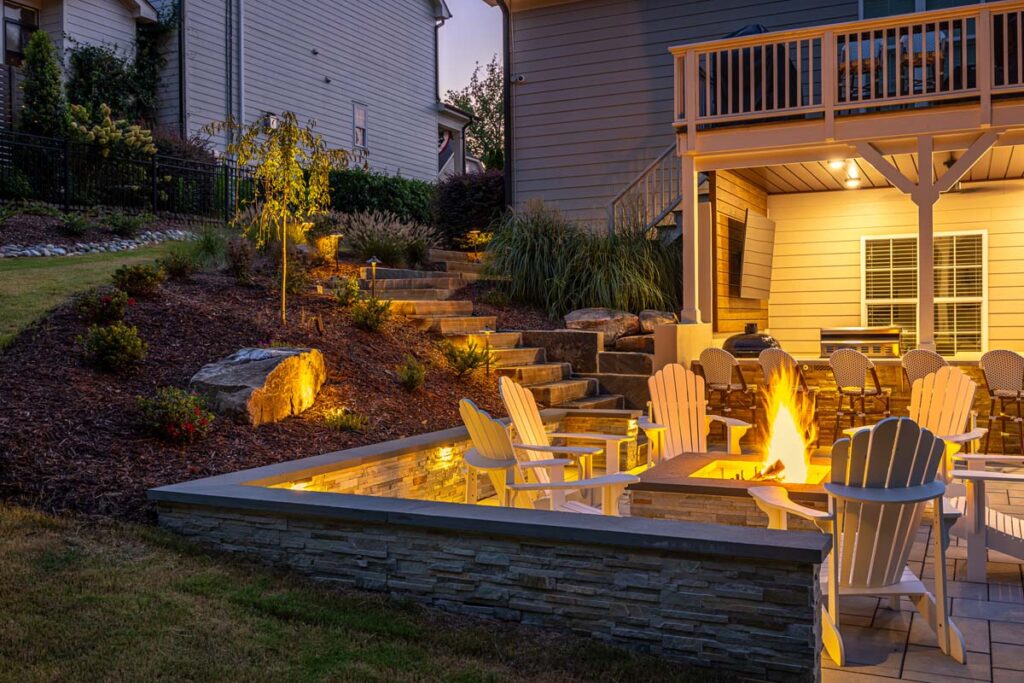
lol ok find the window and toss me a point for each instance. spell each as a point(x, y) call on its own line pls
point(19, 23)
point(890, 289)
point(870, 9)
point(359, 125)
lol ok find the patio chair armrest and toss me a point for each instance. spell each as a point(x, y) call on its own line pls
point(730, 421)
point(910, 494)
point(586, 436)
point(777, 498)
point(575, 451)
point(973, 435)
point(648, 426)
point(554, 462)
point(987, 475)
point(987, 458)
point(950, 513)
point(594, 483)
point(474, 459)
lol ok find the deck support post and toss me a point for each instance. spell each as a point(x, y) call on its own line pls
point(925, 193)
point(691, 253)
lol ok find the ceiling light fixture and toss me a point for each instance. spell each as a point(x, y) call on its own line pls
point(836, 164)
point(852, 183)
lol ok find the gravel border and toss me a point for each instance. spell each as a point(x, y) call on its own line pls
point(146, 238)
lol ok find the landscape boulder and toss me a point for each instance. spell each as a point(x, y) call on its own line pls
point(612, 323)
point(261, 386)
point(650, 319)
point(640, 343)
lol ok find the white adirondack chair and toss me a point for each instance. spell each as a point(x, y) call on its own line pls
point(530, 432)
point(678, 409)
point(984, 527)
point(882, 479)
point(526, 477)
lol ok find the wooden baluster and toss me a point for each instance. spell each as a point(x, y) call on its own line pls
point(984, 60)
point(828, 82)
point(964, 83)
point(872, 78)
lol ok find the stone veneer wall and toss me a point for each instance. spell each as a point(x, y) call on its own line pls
point(754, 611)
point(710, 509)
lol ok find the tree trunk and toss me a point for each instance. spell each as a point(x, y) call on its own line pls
point(284, 271)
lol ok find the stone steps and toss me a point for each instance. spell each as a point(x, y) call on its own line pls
point(520, 355)
point(463, 267)
point(454, 324)
point(597, 402)
point(443, 255)
point(537, 374)
point(413, 294)
point(499, 341)
point(625, 363)
point(431, 308)
point(563, 391)
point(365, 273)
point(435, 282)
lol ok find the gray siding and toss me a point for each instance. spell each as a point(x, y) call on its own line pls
point(100, 22)
point(380, 54)
point(168, 109)
point(596, 105)
point(51, 20)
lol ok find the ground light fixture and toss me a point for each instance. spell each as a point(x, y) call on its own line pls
point(373, 261)
point(487, 350)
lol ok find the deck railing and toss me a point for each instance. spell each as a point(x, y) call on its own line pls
point(966, 53)
point(650, 197)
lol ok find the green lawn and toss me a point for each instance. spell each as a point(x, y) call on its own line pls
point(29, 287)
point(132, 603)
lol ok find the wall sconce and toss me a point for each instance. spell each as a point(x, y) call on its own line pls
point(272, 121)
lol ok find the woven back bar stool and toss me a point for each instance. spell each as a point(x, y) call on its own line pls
point(852, 370)
point(724, 378)
point(1004, 376)
point(919, 363)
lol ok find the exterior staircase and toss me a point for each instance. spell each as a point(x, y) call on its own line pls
point(424, 297)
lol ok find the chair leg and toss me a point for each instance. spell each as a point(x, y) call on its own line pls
point(991, 424)
point(1019, 419)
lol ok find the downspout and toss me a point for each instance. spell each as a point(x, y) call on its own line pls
point(506, 20)
point(182, 102)
point(229, 62)
point(241, 62)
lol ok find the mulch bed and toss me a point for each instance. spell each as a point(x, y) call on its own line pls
point(29, 230)
point(70, 438)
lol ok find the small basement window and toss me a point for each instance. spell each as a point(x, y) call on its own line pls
point(19, 24)
point(359, 125)
point(890, 289)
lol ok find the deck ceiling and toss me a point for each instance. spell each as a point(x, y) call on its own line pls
point(999, 163)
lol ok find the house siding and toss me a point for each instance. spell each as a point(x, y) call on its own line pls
point(816, 280)
point(380, 54)
point(733, 195)
point(99, 22)
point(51, 20)
point(168, 111)
point(596, 104)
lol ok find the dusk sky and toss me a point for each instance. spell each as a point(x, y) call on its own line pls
point(472, 35)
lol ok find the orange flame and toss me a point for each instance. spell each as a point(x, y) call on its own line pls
point(791, 428)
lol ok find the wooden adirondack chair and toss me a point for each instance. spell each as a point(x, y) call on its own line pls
point(678, 409)
point(530, 432)
point(527, 477)
point(882, 479)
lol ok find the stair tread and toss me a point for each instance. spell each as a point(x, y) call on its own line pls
point(591, 401)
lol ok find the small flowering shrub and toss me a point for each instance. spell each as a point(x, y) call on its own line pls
point(411, 373)
point(112, 348)
point(371, 314)
point(346, 291)
point(140, 280)
point(176, 415)
point(104, 306)
point(345, 420)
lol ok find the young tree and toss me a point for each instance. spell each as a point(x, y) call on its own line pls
point(484, 98)
point(44, 110)
point(292, 166)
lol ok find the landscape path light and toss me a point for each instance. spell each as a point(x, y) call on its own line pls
point(373, 275)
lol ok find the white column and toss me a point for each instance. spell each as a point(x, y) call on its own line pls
point(691, 253)
point(925, 198)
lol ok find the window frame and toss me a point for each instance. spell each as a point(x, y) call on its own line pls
point(26, 30)
point(983, 299)
point(366, 126)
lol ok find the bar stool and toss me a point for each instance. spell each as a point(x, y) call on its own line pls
point(851, 369)
point(720, 369)
point(776, 362)
point(918, 363)
point(1004, 376)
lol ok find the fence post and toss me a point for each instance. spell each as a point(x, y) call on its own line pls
point(153, 182)
point(227, 192)
point(66, 175)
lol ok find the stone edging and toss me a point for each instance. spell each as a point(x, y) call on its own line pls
point(146, 238)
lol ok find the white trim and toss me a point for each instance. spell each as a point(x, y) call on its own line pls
point(366, 126)
point(913, 235)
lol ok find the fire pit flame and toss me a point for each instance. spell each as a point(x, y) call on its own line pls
point(791, 429)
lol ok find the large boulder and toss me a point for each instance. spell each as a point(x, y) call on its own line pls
point(640, 343)
point(650, 319)
point(262, 385)
point(612, 323)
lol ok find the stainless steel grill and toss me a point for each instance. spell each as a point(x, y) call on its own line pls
point(875, 342)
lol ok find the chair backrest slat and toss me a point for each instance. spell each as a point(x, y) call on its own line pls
point(679, 403)
point(942, 401)
point(523, 411)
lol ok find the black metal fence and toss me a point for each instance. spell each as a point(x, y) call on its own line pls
point(74, 175)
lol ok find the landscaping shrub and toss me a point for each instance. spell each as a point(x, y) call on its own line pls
point(468, 202)
point(127, 226)
point(180, 263)
point(14, 184)
point(395, 242)
point(169, 142)
point(99, 75)
point(44, 110)
point(346, 291)
point(240, 256)
point(209, 247)
point(103, 306)
point(540, 258)
point(297, 278)
point(496, 297)
point(345, 420)
point(464, 359)
point(176, 415)
point(411, 373)
point(325, 234)
point(357, 190)
point(140, 280)
point(75, 225)
point(370, 314)
point(33, 208)
point(112, 348)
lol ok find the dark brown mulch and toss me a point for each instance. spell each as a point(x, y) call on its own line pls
point(29, 230)
point(70, 438)
point(510, 316)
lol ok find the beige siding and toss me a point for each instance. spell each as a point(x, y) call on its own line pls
point(816, 279)
point(732, 196)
